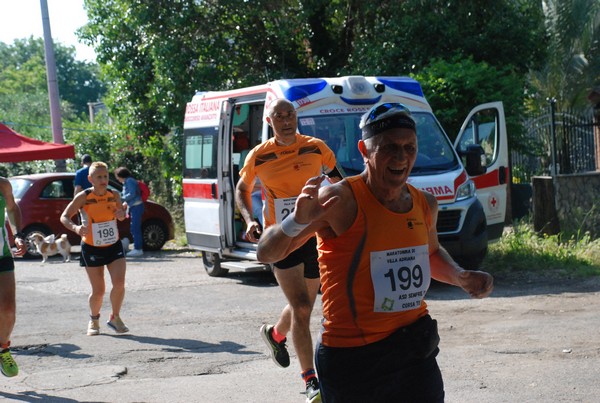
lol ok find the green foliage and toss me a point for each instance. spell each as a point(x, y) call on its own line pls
point(454, 87)
point(523, 250)
point(23, 71)
point(400, 37)
point(572, 68)
point(582, 220)
point(156, 57)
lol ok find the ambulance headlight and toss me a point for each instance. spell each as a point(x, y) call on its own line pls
point(466, 190)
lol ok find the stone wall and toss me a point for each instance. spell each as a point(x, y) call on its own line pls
point(576, 201)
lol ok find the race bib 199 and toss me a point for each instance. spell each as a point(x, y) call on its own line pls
point(283, 208)
point(400, 278)
point(105, 233)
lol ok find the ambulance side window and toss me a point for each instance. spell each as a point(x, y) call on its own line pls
point(200, 153)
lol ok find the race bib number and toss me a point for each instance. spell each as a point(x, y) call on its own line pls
point(283, 208)
point(400, 278)
point(105, 233)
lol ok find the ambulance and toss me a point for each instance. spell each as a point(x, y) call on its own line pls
point(468, 178)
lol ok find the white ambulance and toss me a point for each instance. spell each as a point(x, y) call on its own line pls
point(469, 179)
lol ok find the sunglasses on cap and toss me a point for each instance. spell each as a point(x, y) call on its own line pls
point(385, 116)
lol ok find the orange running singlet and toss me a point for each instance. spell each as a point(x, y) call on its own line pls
point(375, 275)
point(99, 212)
point(283, 171)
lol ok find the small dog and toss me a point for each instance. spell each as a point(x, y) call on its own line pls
point(50, 246)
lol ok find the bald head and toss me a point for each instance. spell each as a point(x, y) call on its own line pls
point(280, 105)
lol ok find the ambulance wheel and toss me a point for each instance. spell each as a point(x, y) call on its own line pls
point(212, 264)
point(471, 262)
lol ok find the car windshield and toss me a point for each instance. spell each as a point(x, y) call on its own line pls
point(341, 133)
point(20, 186)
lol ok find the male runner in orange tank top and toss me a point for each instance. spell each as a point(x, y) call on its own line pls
point(378, 250)
point(283, 164)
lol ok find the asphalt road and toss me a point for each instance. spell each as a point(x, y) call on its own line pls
point(195, 338)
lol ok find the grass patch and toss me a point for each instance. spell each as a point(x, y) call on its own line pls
point(522, 250)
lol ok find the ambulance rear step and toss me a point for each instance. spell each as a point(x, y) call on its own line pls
point(245, 265)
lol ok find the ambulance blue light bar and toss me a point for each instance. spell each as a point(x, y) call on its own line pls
point(300, 88)
point(405, 84)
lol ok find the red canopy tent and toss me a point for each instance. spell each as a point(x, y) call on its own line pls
point(15, 147)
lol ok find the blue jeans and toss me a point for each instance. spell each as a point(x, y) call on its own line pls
point(399, 368)
point(257, 206)
point(135, 215)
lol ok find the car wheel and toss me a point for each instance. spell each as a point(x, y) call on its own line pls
point(212, 264)
point(154, 233)
point(32, 252)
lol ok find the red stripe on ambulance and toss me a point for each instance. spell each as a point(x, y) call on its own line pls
point(489, 179)
point(199, 190)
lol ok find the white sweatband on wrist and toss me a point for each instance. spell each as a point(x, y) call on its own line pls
point(290, 227)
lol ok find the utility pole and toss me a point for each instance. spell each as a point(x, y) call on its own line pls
point(55, 116)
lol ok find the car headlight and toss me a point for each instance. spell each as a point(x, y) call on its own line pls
point(465, 190)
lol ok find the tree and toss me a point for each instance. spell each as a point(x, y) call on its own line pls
point(400, 37)
point(23, 71)
point(24, 94)
point(454, 87)
point(573, 65)
point(156, 56)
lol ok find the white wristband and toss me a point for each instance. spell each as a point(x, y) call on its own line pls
point(290, 227)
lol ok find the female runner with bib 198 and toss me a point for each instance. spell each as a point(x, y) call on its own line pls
point(101, 246)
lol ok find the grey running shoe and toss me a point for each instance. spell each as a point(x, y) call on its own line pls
point(117, 324)
point(278, 351)
point(313, 393)
point(93, 327)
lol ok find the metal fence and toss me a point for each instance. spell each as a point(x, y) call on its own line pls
point(560, 142)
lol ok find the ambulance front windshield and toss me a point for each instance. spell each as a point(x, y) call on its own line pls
point(341, 133)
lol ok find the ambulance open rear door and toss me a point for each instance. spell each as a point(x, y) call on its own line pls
point(486, 126)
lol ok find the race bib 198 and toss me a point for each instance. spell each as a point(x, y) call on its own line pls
point(400, 278)
point(105, 233)
point(283, 208)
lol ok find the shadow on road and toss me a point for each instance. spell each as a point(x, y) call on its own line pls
point(61, 350)
point(189, 345)
point(31, 396)
point(254, 279)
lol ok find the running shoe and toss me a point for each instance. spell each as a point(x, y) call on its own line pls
point(313, 393)
point(116, 324)
point(278, 351)
point(9, 366)
point(93, 327)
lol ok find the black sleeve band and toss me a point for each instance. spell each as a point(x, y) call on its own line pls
point(335, 173)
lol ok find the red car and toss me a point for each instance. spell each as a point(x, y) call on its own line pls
point(43, 197)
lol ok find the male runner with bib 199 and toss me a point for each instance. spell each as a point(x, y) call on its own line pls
point(378, 251)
